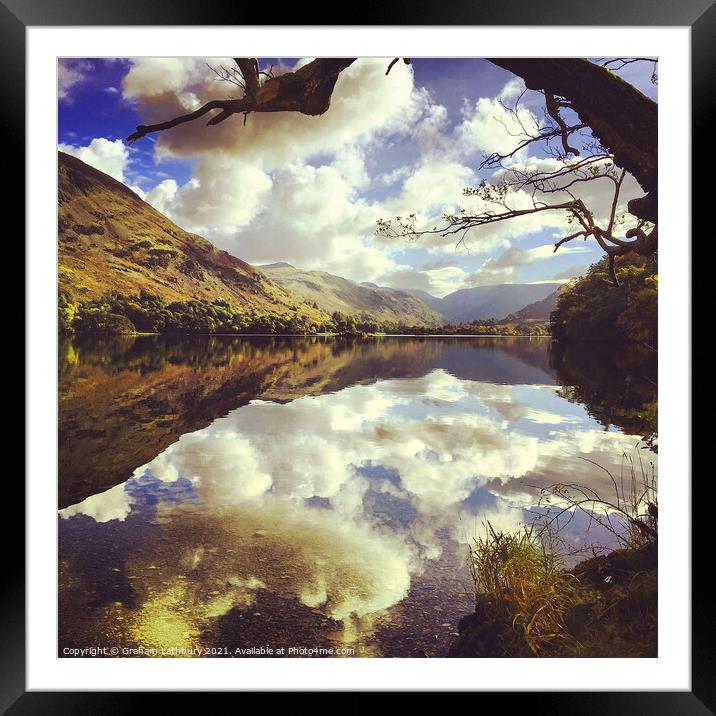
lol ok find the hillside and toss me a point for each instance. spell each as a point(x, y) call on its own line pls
point(482, 302)
point(537, 311)
point(111, 240)
point(333, 293)
point(428, 299)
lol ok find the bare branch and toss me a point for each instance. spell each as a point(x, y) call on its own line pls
point(249, 68)
point(637, 240)
point(390, 66)
point(626, 125)
point(228, 105)
point(307, 90)
point(553, 110)
point(619, 63)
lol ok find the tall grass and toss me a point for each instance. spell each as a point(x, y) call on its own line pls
point(521, 577)
point(524, 576)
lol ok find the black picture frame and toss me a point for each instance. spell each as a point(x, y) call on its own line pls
point(699, 15)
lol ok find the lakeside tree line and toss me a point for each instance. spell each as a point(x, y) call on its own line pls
point(115, 313)
point(590, 308)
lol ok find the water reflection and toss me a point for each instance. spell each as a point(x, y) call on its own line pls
point(124, 400)
point(618, 384)
point(332, 506)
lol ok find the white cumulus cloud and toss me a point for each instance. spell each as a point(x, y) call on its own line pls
point(110, 157)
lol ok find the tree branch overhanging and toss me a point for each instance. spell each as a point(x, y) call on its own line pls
point(307, 90)
point(622, 126)
point(641, 239)
point(622, 123)
point(622, 119)
point(530, 131)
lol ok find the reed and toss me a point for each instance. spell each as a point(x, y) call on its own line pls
point(523, 574)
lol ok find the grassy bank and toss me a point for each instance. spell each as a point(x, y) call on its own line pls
point(529, 603)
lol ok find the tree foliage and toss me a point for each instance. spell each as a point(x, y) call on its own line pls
point(593, 308)
point(147, 313)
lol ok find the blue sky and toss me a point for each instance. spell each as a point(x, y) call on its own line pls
point(309, 190)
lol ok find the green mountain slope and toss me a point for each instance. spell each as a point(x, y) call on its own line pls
point(333, 293)
point(111, 240)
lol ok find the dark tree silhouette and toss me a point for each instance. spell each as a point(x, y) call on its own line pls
point(596, 125)
point(308, 90)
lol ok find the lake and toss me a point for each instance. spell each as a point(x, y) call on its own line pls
point(232, 496)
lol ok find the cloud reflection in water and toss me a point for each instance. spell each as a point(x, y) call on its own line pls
point(342, 501)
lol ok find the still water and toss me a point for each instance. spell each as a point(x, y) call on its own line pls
point(247, 495)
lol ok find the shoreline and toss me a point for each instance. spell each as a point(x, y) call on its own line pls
point(308, 335)
point(613, 588)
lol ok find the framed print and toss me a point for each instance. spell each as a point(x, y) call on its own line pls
point(344, 368)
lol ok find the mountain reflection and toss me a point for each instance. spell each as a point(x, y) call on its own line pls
point(330, 505)
point(124, 400)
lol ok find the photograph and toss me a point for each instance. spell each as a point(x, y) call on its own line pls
point(357, 357)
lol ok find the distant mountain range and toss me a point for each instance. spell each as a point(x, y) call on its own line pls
point(332, 293)
point(482, 302)
point(109, 239)
point(511, 302)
